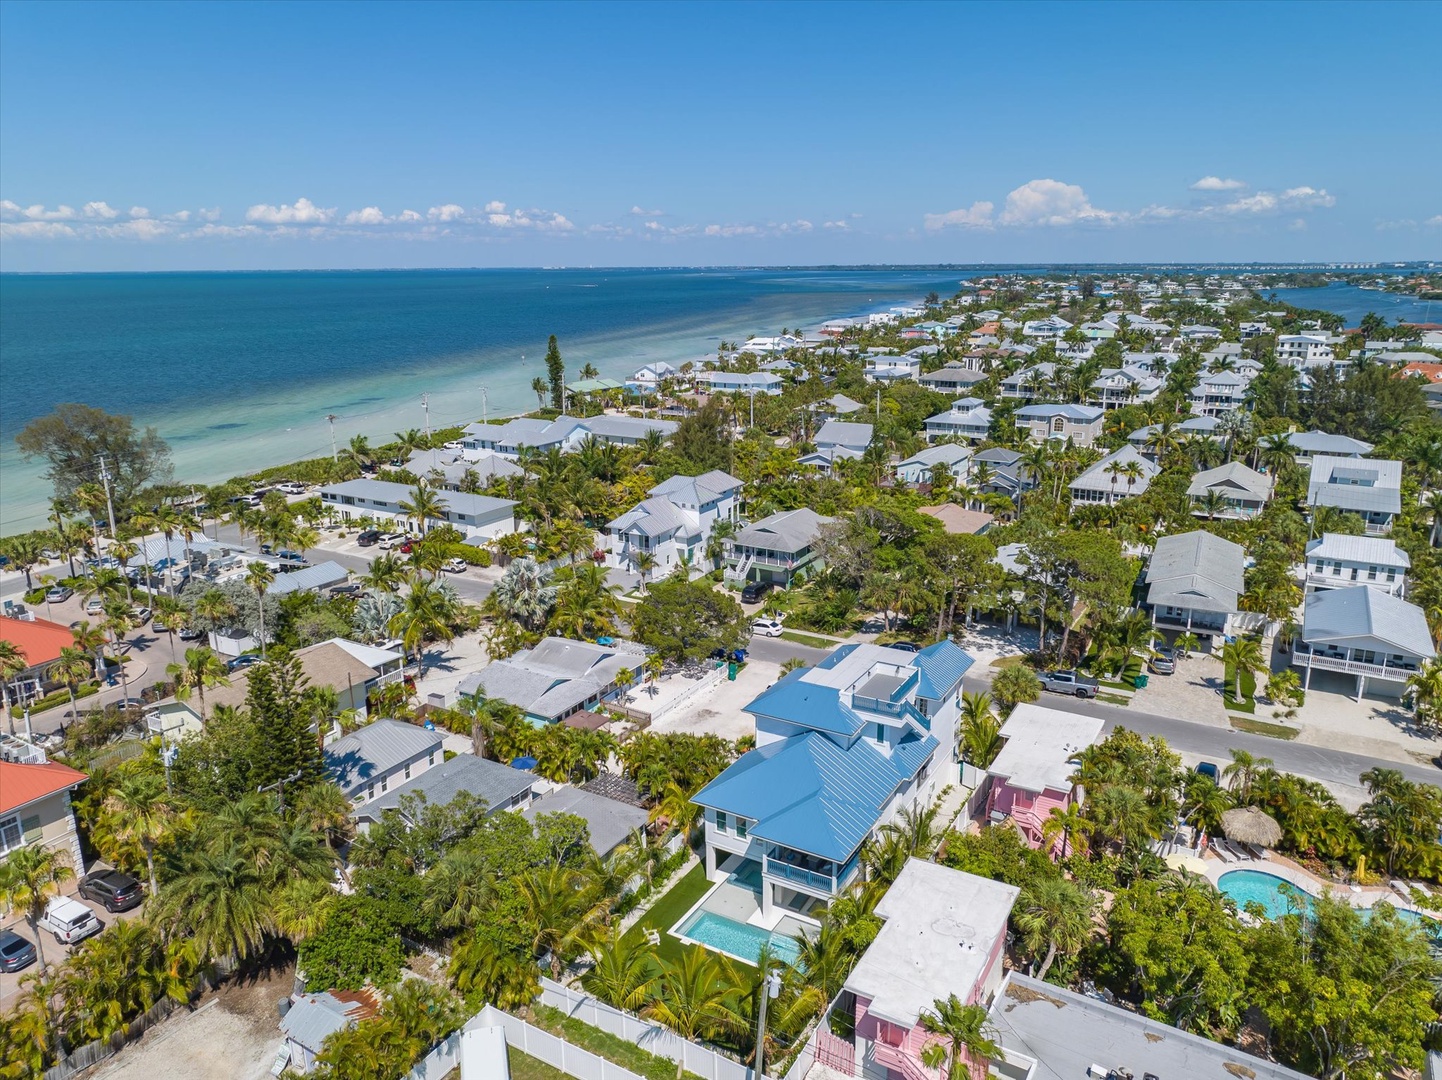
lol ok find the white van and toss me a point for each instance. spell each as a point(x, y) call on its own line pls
point(69, 920)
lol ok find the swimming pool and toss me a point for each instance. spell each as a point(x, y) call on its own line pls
point(736, 939)
point(1278, 897)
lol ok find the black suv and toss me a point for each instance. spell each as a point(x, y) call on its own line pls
point(117, 891)
point(754, 591)
point(367, 537)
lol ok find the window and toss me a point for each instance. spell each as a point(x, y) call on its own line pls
point(1057, 425)
point(1371, 573)
point(721, 823)
point(385, 784)
point(1391, 574)
point(881, 733)
point(741, 826)
point(11, 836)
point(431, 758)
point(408, 770)
point(370, 791)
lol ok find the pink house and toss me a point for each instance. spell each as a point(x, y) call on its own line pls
point(944, 935)
point(1032, 774)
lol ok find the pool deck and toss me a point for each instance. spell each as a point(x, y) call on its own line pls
point(740, 904)
point(1279, 866)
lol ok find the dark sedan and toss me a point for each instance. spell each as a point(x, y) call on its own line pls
point(16, 953)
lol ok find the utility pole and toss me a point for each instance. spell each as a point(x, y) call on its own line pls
point(109, 502)
point(770, 987)
point(167, 758)
point(426, 405)
point(331, 418)
point(486, 404)
point(279, 785)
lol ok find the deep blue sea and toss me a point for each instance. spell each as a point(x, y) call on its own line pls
point(1353, 302)
point(238, 370)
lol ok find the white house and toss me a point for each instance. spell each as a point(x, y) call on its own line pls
point(1194, 581)
point(675, 522)
point(955, 376)
point(1307, 445)
point(1368, 487)
point(370, 760)
point(1116, 387)
point(1028, 382)
point(888, 368)
point(917, 469)
point(1365, 632)
point(1218, 393)
point(648, 378)
point(380, 500)
point(1080, 423)
point(565, 433)
point(1048, 329)
point(1305, 350)
point(1120, 475)
point(968, 418)
point(1335, 560)
point(838, 440)
point(1193, 427)
point(1244, 491)
point(740, 382)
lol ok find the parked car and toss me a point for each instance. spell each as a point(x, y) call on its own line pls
point(767, 627)
point(139, 615)
point(190, 633)
point(905, 646)
point(454, 566)
point(407, 547)
point(69, 920)
point(351, 589)
point(16, 953)
point(240, 663)
point(1163, 662)
point(1210, 771)
point(117, 891)
point(1069, 682)
point(390, 540)
point(246, 500)
point(291, 487)
point(754, 591)
point(58, 594)
point(367, 537)
point(289, 555)
point(95, 606)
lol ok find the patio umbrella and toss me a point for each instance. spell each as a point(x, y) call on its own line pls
point(1180, 860)
point(1248, 825)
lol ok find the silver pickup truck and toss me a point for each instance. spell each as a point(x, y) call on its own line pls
point(1069, 682)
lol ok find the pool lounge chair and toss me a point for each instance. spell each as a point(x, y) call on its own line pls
point(1222, 853)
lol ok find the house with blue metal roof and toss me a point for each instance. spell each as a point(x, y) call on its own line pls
point(841, 749)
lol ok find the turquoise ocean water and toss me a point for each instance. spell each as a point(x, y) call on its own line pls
point(238, 370)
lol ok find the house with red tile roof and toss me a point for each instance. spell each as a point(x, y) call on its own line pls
point(40, 642)
point(35, 808)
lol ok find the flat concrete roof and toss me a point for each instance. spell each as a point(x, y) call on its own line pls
point(1040, 744)
point(941, 925)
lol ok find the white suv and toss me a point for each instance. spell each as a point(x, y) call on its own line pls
point(69, 920)
point(390, 540)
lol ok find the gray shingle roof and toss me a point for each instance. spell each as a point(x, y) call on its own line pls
point(696, 490)
point(841, 433)
point(1375, 550)
point(789, 530)
point(1361, 614)
point(320, 576)
point(609, 822)
point(553, 678)
point(1352, 484)
point(1083, 413)
point(1196, 570)
point(376, 749)
point(497, 784)
point(1320, 442)
point(652, 517)
point(1098, 479)
point(1235, 479)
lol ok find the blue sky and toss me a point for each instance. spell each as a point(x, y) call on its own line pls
point(136, 136)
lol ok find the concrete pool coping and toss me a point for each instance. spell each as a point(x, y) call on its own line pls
point(1363, 897)
point(727, 905)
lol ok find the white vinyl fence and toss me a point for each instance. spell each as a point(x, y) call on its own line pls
point(705, 1063)
point(553, 1050)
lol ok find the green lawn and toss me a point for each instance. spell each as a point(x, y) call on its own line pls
point(1249, 689)
point(611, 1047)
point(525, 1067)
point(1114, 699)
point(1262, 727)
point(664, 913)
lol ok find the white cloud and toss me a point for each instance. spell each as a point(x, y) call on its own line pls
point(301, 212)
point(212, 214)
point(836, 224)
point(222, 231)
point(1051, 202)
point(977, 216)
point(495, 206)
point(1434, 222)
point(139, 212)
point(1260, 203)
point(371, 215)
point(1308, 196)
point(448, 212)
point(138, 229)
point(101, 210)
point(1216, 183)
point(34, 230)
point(731, 230)
point(183, 215)
point(1297, 225)
point(637, 211)
point(37, 212)
point(409, 217)
point(800, 225)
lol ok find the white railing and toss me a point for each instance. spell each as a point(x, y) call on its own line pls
point(1352, 667)
point(19, 752)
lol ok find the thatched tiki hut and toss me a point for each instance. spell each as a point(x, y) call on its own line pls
point(1249, 825)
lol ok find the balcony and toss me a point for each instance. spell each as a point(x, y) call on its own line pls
point(899, 1061)
point(807, 871)
point(1323, 662)
point(1326, 579)
point(779, 560)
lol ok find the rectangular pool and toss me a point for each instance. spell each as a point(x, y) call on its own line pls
point(734, 938)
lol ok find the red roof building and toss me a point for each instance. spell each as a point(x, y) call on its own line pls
point(21, 785)
point(40, 640)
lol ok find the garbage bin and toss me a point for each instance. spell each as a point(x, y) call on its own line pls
point(1140, 682)
point(731, 670)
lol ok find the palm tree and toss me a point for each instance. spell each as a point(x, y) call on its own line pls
point(139, 811)
point(565, 909)
point(259, 576)
point(1065, 822)
point(1431, 510)
point(214, 607)
point(71, 670)
point(12, 663)
point(1425, 688)
point(29, 877)
point(200, 670)
point(1212, 502)
point(485, 967)
point(1204, 806)
point(408, 442)
point(645, 562)
point(26, 552)
point(358, 452)
point(424, 505)
point(220, 900)
point(1186, 643)
point(965, 1034)
point(1056, 915)
point(460, 890)
point(541, 389)
point(425, 612)
point(1243, 654)
point(387, 573)
point(691, 997)
point(325, 810)
point(1243, 770)
point(624, 973)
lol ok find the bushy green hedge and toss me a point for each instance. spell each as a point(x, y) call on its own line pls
point(57, 697)
point(467, 553)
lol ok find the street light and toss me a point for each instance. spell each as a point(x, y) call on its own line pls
point(770, 988)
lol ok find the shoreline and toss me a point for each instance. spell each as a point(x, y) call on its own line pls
point(390, 400)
